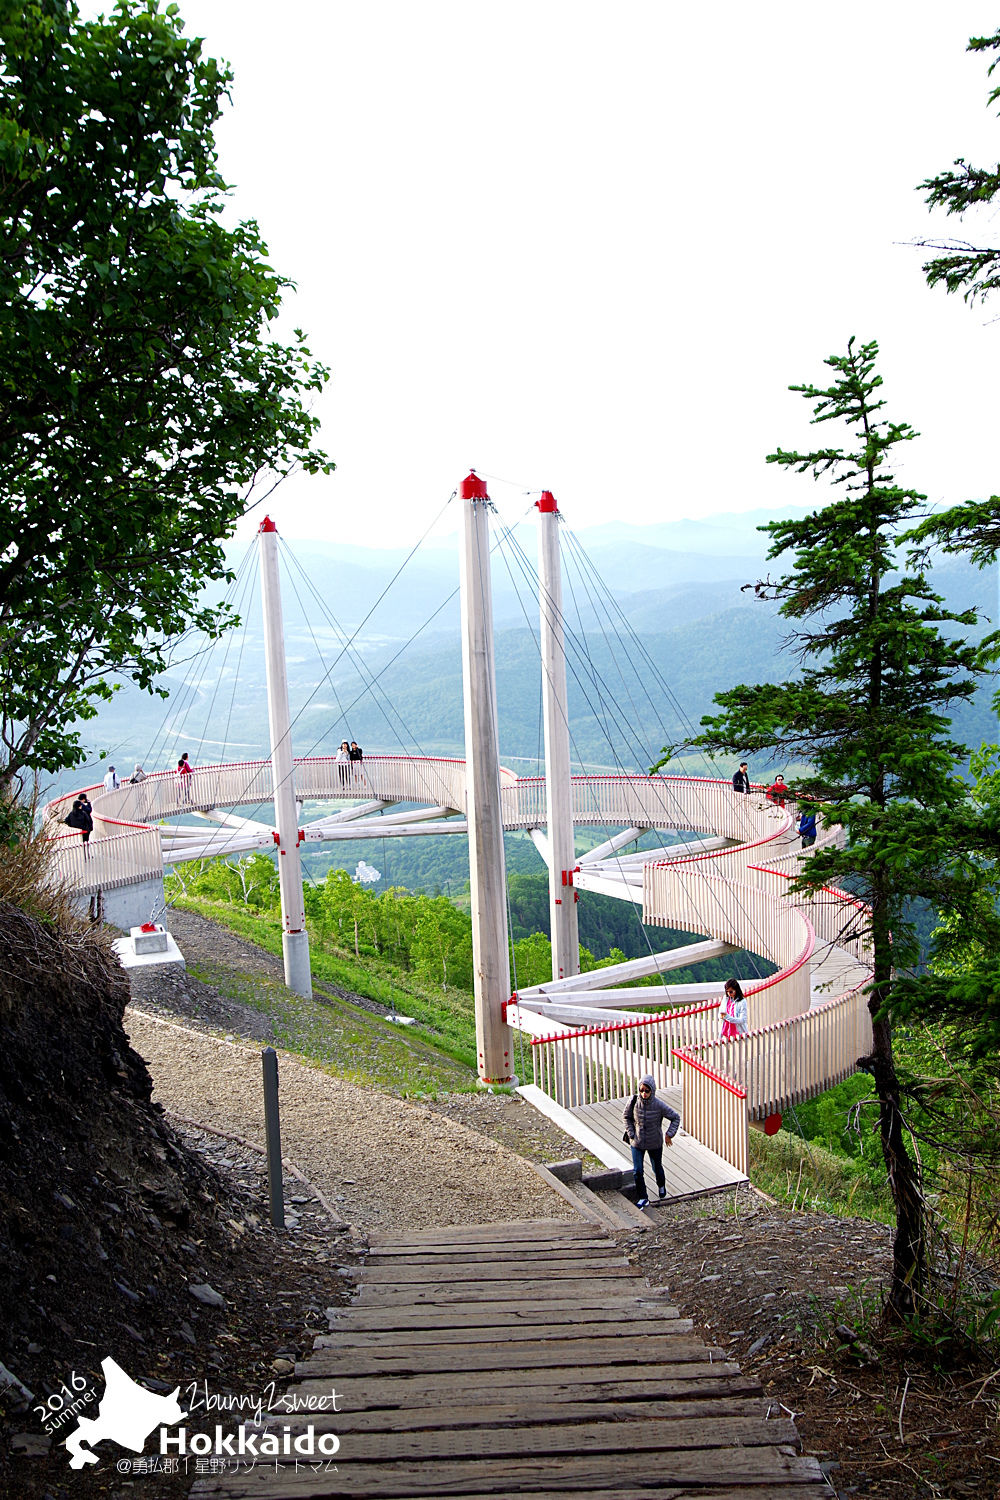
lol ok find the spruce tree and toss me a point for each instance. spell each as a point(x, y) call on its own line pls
point(868, 717)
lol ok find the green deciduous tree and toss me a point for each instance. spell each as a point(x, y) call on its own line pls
point(142, 404)
point(868, 716)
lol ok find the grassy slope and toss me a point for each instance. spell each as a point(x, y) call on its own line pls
point(436, 1055)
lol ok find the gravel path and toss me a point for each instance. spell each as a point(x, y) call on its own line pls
point(385, 1163)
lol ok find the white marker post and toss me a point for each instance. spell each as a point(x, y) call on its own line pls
point(294, 938)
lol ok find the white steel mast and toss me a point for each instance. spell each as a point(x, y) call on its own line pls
point(563, 924)
point(487, 867)
point(294, 938)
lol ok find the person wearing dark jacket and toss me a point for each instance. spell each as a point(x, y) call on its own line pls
point(81, 816)
point(644, 1115)
point(741, 778)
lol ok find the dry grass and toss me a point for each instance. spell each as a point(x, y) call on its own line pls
point(35, 906)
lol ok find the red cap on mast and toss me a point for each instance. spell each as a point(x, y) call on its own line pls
point(547, 503)
point(267, 525)
point(472, 487)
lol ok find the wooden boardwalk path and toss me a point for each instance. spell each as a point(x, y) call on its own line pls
point(526, 1360)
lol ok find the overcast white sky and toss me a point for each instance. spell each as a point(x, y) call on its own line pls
point(587, 247)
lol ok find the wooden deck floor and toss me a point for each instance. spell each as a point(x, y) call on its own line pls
point(576, 1379)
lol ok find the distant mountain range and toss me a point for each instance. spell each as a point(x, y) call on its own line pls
point(659, 619)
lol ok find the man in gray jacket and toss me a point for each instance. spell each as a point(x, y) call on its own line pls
point(644, 1115)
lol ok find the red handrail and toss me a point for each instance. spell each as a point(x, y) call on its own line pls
point(708, 1072)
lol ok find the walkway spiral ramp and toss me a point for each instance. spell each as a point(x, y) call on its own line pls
point(721, 871)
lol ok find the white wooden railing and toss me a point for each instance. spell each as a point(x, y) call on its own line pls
point(125, 857)
point(680, 896)
point(603, 1062)
point(664, 802)
point(715, 1112)
point(782, 1064)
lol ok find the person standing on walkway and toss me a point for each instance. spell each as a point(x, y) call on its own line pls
point(136, 779)
point(734, 1010)
point(778, 791)
point(344, 763)
point(741, 778)
point(111, 782)
point(644, 1115)
point(185, 770)
point(807, 827)
point(357, 756)
point(81, 816)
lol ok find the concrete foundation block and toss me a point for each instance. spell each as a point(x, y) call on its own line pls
point(150, 938)
point(567, 1171)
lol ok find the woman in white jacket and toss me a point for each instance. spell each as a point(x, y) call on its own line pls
point(735, 1017)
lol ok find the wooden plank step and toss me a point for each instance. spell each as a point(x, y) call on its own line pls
point(578, 1383)
point(424, 1359)
point(652, 1434)
point(616, 1293)
point(543, 1245)
point(757, 1492)
point(497, 1315)
point(501, 1290)
point(679, 1473)
point(444, 1293)
point(463, 1334)
point(508, 1230)
point(521, 1414)
point(492, 1255)
point(562, 1269)
point(819, 1490)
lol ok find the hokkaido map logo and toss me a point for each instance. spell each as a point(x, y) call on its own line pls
point(128, 1413)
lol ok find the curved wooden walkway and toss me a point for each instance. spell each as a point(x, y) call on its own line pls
point(527, 1360)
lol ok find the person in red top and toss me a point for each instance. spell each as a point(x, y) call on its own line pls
point(777, 791)
point(185, 770)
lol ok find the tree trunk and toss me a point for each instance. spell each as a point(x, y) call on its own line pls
point(909, 1244)
point(909, 1240)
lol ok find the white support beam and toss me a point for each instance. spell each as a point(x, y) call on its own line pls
point(376, 828)
point(185, 853)
point(349, 814)
point(579, 1015)
point(576, 1129)
point(610, 872)
point(617, 841)
point(230, 820)
point(607, 885)
point(420, 815)
point(653, 996)
point(677, 851)
point(541, 843)
point(634, 968)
